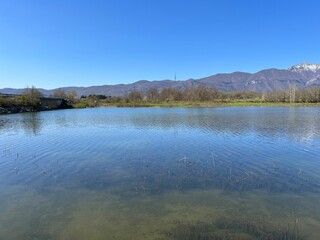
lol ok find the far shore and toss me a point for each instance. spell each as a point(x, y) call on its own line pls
point(210, 104)
point(170, 104)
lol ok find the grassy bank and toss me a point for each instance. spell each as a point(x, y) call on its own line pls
point(231, 103)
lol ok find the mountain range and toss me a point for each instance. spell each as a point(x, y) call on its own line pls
point(301, 75)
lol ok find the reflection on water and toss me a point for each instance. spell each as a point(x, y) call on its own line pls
point(31, 123)
point(198, 173)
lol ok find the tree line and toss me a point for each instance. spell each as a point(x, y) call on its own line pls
point(170, 94)
point(31, 96)
point(294, 95)
point(202, 94)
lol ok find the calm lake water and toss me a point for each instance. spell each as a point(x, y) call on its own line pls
point(161, 173)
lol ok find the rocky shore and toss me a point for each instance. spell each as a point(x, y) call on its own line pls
point(19, 109)
point(24, 109)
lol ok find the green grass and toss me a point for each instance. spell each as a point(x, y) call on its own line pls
point(79, 105)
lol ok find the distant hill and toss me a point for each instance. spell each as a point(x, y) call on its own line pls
point(301, 75)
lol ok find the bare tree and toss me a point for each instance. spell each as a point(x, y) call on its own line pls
point(292, 93)
point(31, 97)
point(153, 95)
point(135, 96)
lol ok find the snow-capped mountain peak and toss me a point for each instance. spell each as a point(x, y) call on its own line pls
point(305, 67)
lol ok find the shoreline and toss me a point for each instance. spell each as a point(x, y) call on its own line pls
point(26, 109)
point(211, 104)
point(18, 109)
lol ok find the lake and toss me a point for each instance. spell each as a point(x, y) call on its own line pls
point(161, 173)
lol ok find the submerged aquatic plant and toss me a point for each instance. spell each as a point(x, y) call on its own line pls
point(188, 174)
point(148, 176)
point(241, 229)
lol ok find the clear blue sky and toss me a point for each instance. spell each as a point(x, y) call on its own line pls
point(58, 43)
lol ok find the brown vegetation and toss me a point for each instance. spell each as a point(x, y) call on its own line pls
point(201, 94)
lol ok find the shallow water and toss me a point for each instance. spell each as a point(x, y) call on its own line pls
point(161, 173)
